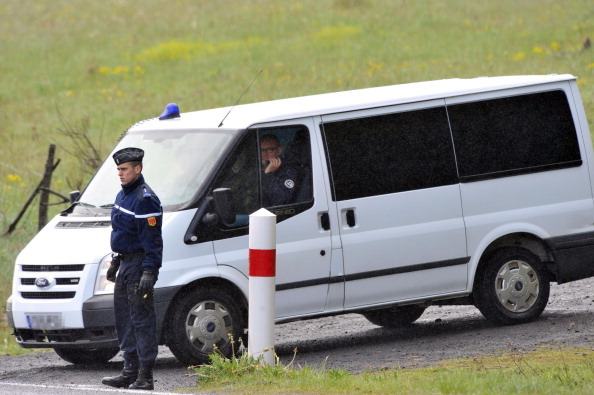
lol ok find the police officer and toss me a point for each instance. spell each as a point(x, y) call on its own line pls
point(137, 243)
point(278, 179)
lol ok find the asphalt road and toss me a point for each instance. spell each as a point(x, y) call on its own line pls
point(342, 342)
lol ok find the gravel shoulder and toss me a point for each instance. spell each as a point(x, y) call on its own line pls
point(350, 342)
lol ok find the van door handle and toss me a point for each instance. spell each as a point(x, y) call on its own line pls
point(350, 217)
point(325, 221)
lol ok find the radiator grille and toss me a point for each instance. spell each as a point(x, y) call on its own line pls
point(59, 281)
point(52, 268)
point(48, 295)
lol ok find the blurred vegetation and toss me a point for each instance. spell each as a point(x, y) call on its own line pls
point(108, 64)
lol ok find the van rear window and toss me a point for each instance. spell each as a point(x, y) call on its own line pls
point(514, 135)
point(390, 153)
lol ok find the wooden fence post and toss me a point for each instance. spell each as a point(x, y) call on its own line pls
point(44, 187)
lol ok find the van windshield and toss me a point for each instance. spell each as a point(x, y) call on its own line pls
point(176, 163)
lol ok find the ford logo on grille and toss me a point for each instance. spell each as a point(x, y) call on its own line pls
point(42, 282)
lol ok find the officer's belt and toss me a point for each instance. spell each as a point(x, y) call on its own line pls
point(132, 256)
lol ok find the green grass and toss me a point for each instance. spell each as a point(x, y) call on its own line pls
point(544, 371)
point(114, 63)
point(8, 251)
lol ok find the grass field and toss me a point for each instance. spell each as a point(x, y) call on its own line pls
point(543, 371)
point(110, 63)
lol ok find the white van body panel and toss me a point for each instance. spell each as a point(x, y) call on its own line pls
point(426, 232)
point(184, 263)
point(375, 253)
point(400, 230)
point(539, 199)
point(543, 204)
point(245, 115)
point(322, 188)
point(85, 246)
point(303, 252)
point(583, 131)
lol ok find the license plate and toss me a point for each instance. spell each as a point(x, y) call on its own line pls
point(46, 321)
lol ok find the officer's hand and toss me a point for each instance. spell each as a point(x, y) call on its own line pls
point(147, 283)
point(273, 165)
point(113, 269)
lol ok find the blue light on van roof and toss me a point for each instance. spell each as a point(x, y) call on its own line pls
point(171, 111)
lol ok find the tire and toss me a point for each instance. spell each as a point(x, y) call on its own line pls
point(513, 287)
point(87, 356)
point(203, 321)
point(395, 317)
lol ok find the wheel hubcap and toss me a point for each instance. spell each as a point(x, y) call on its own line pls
point(208, 326)
point(517, 286)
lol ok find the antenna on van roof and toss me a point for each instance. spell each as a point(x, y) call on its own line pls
point(244, 92)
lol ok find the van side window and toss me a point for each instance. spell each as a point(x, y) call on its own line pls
point(290, 184)
point(390, 153)
point(241, 175)
point(514, 135)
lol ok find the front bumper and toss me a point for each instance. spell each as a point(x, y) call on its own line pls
point(98, 332)
point(99, 324)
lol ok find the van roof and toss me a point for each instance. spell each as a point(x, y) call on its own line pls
point(245, 115)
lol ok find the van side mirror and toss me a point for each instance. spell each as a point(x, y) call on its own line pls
point(223, 203)
point(74, 195)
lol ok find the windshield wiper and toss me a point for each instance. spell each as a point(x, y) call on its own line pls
point(83, 204)
point(86, 206)
point(109, 205)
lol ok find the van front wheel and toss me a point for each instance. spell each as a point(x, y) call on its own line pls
point(395, 317)
point(204, 321)
point(513, 288)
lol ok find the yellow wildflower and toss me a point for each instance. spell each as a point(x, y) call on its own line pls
point(14, 178)
point(519, 56)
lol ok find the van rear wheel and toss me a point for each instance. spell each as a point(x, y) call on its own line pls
point(205, 321)
point(87, 356)
point(395, 317)
point(513, 288)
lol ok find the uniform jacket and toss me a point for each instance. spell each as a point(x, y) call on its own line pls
point(279, 186)
point(136, 220)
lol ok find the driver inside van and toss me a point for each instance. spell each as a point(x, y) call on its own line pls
point(278, 178)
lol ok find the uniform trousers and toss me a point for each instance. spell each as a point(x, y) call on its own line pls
point(135, 320)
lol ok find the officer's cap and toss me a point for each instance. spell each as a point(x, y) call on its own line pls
point(129, 154)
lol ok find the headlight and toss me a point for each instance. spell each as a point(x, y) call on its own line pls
point(102, 286)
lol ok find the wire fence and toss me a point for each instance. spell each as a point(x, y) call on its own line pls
point(15, 185)
point(19, 189)
point(17, 171)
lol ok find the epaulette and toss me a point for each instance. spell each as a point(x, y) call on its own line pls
point(144, 191)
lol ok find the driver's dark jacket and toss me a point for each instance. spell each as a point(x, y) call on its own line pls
point(279, 186)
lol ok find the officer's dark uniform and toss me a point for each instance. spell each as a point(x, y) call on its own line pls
point(136, 220)
point(279, 186)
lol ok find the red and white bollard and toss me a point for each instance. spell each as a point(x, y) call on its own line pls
point(262, 282)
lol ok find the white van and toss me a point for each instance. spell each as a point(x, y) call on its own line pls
point(462, 191)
